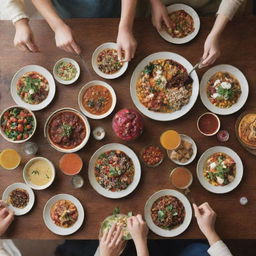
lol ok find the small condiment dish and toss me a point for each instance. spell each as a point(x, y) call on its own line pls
point(29, 182)
point(59, 79)
point(209, 123)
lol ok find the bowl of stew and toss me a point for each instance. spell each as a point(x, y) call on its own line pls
point(18, 124)
point(105, 61)
point(66, 71)
point(97, 99)
point(67, 130)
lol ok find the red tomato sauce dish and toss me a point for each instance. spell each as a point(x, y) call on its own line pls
point(208, 124)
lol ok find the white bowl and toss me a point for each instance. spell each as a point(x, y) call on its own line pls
point(208, 134)
point(175, 231)
point(18, 211)
point(192, 13)
point(95, 54)
point(243, 84)
point(137, 171)
point(194, 147)
point(17, 141)
point(40, 70)
point(219, 189)
point(66, 82)
point(80, 146)
point(49, 222)
point(81, 94)
point(36, 187)
point(157, 115)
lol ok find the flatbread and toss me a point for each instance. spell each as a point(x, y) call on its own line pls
point(119, 219)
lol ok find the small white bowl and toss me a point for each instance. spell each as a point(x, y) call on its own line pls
point(194, 147)
point(66, 82)
point(19, 211)
point(29, 183)
point(17, 141)
point(95, 54)
point(81, 94)
point(208, 134)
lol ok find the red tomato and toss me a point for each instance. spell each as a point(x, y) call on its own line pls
point(20, 128)
point(25, 136)
point(19, 137)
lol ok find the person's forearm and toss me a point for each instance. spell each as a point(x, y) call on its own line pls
point(47, 10)
point(141, 247)
point(127, 14)
point(219, 25)
point(155, 2)
point(212, 237)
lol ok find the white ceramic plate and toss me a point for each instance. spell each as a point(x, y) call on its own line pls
point(238, 75)
point(17, 141)
point(87, 126)
point(66, 82)
point(193, 14)
point(219, 189)
point(81, 94)
point(49, 222)
point(95, 66)
point(30, 204)
point(42, 71)
point(156, 115)
point(28, 164)
point(136, 178)
point(163, 232)
point(194, 147)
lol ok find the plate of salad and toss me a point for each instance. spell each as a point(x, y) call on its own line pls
point(18, 124)
point(33, 87)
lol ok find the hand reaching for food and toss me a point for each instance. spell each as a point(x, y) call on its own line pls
point(211, 50)
point(139, 232)
point(159, 15)
point(111, 243)
point(206, 218)
point(24, 39)
point(126, 43)
point(6, 217)
point(65, 40)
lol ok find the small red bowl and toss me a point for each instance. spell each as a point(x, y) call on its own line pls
point(208, 124)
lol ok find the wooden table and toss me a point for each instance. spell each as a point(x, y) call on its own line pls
point(238, 46)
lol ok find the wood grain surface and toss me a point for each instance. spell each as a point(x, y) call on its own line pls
point(238, 49)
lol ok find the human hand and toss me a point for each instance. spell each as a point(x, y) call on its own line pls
point(211, 50)
point(127, 43)
point(137, 228)
point(64, 39)
point(24, 39)
point(206, 218)
point(6, 217)
point(160, 15)
point(111, 243)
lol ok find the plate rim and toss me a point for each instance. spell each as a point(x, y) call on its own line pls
point(191, 11)
point(81, 214)
point(219, 189)
point(236, 72)
point(17, 211)
point(104, 192)
point(164, 116)
point(168, 233)
point(41, 105)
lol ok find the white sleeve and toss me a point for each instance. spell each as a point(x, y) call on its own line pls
point(3, 252)
point(12, 10)
point(219, 249)
point(229, 7)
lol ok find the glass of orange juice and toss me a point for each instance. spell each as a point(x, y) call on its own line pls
point(9, 159)
point(170, 139)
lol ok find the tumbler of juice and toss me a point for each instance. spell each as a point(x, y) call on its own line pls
point(170, 139)
point(9, 159)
